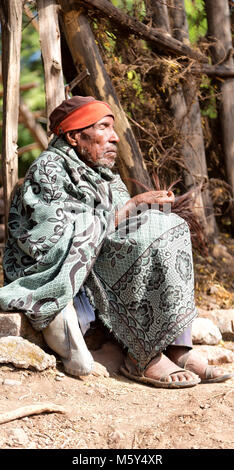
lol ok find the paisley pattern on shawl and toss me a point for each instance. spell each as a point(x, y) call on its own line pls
point(138, 277)
point(57, 224)
point(142, 282)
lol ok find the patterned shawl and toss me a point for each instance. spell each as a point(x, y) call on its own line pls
point(58, 221)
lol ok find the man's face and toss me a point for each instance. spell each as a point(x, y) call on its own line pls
point(97, 145)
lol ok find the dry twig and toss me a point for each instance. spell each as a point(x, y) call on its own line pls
point(30, 410)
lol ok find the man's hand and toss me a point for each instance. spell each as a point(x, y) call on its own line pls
point(154, 197)
point(149, 198)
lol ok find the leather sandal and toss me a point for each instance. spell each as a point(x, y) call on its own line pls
point(129, 370)
point(194, 362)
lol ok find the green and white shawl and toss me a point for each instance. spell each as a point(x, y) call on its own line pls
point(139, 277)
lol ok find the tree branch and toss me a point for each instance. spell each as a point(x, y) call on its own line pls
point(162, 40)
point(29, 410)
point(213, 70)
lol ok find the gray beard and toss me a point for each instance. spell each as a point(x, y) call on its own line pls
point(102, 163)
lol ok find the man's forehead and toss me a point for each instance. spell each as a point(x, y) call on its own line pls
point(107, 118)
point(78, 113)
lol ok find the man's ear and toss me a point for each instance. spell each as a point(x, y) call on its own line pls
point(72, 138)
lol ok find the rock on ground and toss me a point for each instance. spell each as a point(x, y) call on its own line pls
point(223, 319)
point(204, 331)
point(17, 324)
point(216, 355)
point(21, 353)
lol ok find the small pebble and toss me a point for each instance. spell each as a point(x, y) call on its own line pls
point(11, 382)
point(58, 378)
point(60, 374)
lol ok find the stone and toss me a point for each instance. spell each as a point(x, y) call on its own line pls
point(116, 435)
point(216, 355)
point(23, 354)
point(204, 331)
point(10, 324)
point(17, 324)
point(19, 436)
point(11, 382)
point(223, 319)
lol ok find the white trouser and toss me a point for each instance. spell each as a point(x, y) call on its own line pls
point(63, 335)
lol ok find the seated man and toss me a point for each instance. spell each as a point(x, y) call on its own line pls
point(78, 242)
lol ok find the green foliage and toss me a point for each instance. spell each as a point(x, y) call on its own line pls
point(208, 105)
point(31, 67)
point(132, 7)
point(196, 16)
point(135, 81)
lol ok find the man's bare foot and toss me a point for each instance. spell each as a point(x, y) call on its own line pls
point(193, 361)
point(161, 367)
point(161, 372)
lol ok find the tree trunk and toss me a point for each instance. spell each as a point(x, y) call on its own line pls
point(219, 27)
point(157, 10)
point(194, 149)
point(85, 54)
point(185, 107)
point(51, 53)
point(11, 22)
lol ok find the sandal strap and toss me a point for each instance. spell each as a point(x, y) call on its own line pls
point(189, 359)
point(132, 368)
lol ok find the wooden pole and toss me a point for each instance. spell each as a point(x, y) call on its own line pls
point(219, 31)
point(85, 54)
point(49, 35)
point(213, 70)
point(186, 111)
point(11, 22)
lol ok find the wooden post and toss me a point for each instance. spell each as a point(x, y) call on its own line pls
point(219, 31)
point(11, 21)
point(85, 54)
point(51, 53)
point(191, 127)
point(186, 111)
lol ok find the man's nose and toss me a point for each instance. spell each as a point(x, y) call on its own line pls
point(114, 136)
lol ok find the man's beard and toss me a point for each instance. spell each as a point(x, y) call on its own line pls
point(103, 162)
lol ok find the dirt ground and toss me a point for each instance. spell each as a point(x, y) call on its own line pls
point(115, 413)
point(111, 412)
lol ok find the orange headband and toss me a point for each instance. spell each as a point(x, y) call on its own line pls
point(83, 117)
